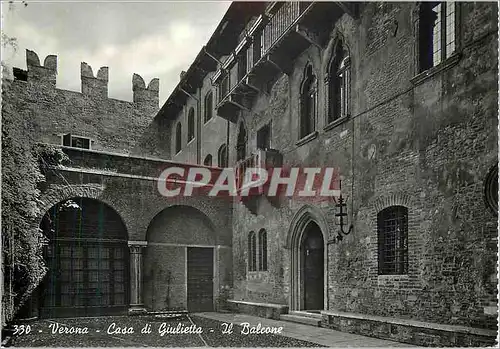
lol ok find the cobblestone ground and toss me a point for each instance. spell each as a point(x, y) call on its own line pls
point(41, 334)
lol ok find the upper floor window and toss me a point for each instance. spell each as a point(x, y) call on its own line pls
point(241, 143)
point(264, 137)
point(222, 156)
point(209, 106)
point(69, 140)
point(190, 124)
point(208, 160)
point(308, 103)
point(392, 226)
point(178, 138)
point(339, 84)
point(252, 252)
point(262, 249)
point(437, 33)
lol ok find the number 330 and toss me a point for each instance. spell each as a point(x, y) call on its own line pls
point(19, 330)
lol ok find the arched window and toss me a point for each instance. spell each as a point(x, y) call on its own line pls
point(178, 138)
point(191, 124)
point(308, 103)
point(209, 106)
point(241, 143)
point(339, 84)
point(262, 249)
point(252, 252)
point(392, 227)
point(222, 156)
point(208, 160)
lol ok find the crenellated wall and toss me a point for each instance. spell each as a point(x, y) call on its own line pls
point(111, 124)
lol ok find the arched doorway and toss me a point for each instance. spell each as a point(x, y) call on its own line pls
point(87, 259)
point(180, 261)
point(308, 260)
point(312, 263)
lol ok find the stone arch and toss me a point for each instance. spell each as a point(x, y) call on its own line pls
point(57, 193)
point(395, 199)
point(188, 211)
point(171, 235)
point(300, 220)
point(306, 215)
point(84, 234)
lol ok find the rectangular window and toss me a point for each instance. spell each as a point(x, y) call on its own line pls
point(450, 28)
point(392, 226)
point(69, 140)
point(437, 34)
point(264, 137)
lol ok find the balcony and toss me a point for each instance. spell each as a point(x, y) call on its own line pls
point(261, 159)
point(270, 48)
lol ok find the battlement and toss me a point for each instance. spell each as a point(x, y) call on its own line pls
point(94, 86)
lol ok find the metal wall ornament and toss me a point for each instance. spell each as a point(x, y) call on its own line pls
point(341, 218)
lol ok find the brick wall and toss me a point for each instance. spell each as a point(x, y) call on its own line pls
point(428, 145)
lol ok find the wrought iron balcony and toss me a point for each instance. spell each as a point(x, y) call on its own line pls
point(270, 47)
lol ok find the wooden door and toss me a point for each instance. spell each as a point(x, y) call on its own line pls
point(200, 279)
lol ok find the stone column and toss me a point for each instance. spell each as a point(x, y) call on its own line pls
point(136, 305)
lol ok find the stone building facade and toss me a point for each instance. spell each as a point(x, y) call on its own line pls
point(400, 98)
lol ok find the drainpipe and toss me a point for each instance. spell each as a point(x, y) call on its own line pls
point(227, 144)
point(198, 126)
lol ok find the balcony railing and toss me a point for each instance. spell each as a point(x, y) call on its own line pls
point(280, 23)
point(265, 34)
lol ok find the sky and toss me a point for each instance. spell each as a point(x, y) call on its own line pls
point(152, 39)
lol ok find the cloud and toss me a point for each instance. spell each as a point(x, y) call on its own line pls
point(150, 39)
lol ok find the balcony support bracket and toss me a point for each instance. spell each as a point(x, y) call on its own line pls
point(303, 33)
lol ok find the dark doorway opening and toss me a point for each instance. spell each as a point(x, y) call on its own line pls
point(200, 279)
point(312, 250)
point(87, 259)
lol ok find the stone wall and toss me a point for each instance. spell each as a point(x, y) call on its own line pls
point(423, 142)
point(111, 124)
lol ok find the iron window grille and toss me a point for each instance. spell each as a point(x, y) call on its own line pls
point(392, 226)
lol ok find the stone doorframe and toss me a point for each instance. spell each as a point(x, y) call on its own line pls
point(300, 221)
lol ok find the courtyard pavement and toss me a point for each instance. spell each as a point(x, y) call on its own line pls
point(150, 331)
point(317, 335)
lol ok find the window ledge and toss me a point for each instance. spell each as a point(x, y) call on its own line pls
point(393, 276)
point(190, 141)
point(257, 274)
point(307, 138)
point(336, 122)
point(208, 121)
point(427, 74)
